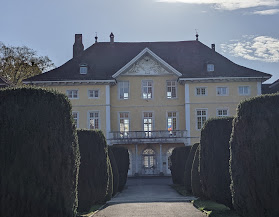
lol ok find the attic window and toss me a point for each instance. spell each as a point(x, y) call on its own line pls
point(83, 68)
point(210, 67)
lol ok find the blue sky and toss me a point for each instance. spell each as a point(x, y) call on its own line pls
point(245, 31)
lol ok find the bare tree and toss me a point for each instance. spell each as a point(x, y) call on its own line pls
point(19, 63)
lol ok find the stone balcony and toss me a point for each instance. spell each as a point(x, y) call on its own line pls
point(137, 137)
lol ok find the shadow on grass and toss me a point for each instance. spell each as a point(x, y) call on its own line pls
point(92, 210)
point(214, 209)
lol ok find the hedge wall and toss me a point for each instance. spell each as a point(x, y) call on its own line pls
point(114, 171)
point(121, 156)
point(254, 159)
point(178, 160)
point(39, 154)
point(93, 176)
point(195, 175)
point(214, 160)
point(188, 168)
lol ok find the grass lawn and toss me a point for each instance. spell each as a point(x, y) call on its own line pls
point(211, 208)
point(181, 190)
point(214, 209)
point(91, 211)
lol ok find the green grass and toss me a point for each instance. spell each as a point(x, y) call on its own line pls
point(213, 209)
point(92, 210)
point(181, 190)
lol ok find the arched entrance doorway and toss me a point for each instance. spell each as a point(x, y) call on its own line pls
point(169, 152)
point(149, 161)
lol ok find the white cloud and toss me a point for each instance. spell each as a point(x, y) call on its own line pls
point(228, 4)
point(267, 12)
point(261, 48)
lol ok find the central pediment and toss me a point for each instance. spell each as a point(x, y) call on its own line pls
point(147, 63)
point(147, 66)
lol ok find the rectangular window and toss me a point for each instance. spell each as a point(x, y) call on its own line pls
point(201, 115)
point(93, 93)
point(222, 112)
point(123, 89)
point(210, 67)
point(83, 69)
point(76, 118)
point(244, 90)
point(222, 91)
point(147, 89)
point(124, 124)
point(201, 91)
point(171, 89)
point(148, 123)
point(172, 122)
point(94, 120)
point(72, 94)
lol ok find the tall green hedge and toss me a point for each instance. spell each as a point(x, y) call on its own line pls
point(188, 168)
point(214, 160)
point(114, 171)
point(121, 156)
point(39, 154)
point(254, 159)
point(93, 174)
point(178, 160)
point(195, 175)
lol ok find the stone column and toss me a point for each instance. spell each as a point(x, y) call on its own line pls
point(136, 159)
point(161, 161)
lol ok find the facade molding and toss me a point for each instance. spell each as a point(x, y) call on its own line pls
point(222, 79)
point(187, 113)
point(108, 124)
point(73, 82)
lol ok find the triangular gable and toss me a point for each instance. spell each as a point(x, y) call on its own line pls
point(142, 54)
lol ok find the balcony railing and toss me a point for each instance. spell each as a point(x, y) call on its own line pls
point(176, 136)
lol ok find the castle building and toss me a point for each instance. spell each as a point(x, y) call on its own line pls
point(150, 97)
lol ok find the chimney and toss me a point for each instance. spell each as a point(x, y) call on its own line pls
point(213, 47)
point(78, 46)
point(111, 38)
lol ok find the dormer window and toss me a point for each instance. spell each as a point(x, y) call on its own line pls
point(210, 67)
point(83, 69)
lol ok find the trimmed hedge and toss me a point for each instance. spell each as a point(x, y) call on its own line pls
point(254, 159)
point(121, 156)
point(93, 176)
point(188, 168)
point(178, 160)
point(109, 188)
point(114, 171)
point(39, 154)
point(214, 160)
point(195, 175)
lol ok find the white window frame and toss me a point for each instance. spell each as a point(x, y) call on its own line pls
point(222, 109)
point(99, 119)
point(125, 133)
point(171, 86)
point(121, 86)
point(196, 91)
point(153, 123)
point(221, 93)
point(244, 94)
point(210, 67)
point(172, 117)
point(196, 115)
point(72, 94)
point(83, 69)
point(94, 90)
point(142, 89)
point(77, 118)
